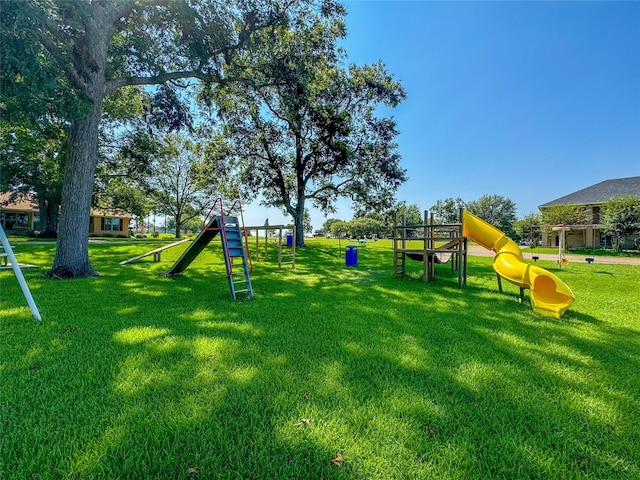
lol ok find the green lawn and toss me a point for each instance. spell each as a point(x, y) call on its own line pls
point(331, 372)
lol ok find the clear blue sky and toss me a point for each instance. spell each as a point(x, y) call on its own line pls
point(528, 100)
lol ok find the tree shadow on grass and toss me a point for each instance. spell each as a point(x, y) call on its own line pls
point(171, 378)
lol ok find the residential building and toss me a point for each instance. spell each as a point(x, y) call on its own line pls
point(22, 215)
point(591, 235)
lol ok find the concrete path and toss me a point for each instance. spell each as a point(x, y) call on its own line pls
point(478, 251)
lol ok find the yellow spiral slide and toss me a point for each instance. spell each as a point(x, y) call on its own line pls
point(550, 296)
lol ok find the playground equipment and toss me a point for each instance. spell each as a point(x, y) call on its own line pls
point(562, 234)
point(156, 253)
point(454, 248)
point(550, 296)
point(283, 257)
point(234, 247)
point(18, 273)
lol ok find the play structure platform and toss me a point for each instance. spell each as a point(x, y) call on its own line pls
point(234, 248)
point(441, 243)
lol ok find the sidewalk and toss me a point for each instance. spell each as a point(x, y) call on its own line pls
point(479, 251)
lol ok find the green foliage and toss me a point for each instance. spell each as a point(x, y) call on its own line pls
point(339, 228)
point(363, 227)
point(32, 157)
point(136, 375)
point(182, 183)
point(32, 89)
point(326, 226)
point(306, 222)
point(72, 54)
point(306, 128)
point(189, 227)
point(620, 217)
point(566, 215)
point(448, 210)
point(496, 210)
point(529, 229)
point(411, 212)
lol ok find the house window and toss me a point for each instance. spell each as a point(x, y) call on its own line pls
point(16, 220)
point(112, 224)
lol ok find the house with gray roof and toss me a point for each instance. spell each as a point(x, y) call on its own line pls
point(591, 235)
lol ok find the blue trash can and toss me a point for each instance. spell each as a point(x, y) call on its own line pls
point(351, 256)
point(289, 240)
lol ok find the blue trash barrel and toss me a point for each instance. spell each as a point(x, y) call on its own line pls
point(289, 240)
point(351, 256)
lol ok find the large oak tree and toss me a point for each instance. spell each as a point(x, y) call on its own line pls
point(312, 131)
point(100, 46)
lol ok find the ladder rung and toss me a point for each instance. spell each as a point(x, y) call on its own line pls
point(240, 291)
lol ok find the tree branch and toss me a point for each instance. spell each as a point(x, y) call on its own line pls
point(117, 83)
point(335, 188)
point(59, 56)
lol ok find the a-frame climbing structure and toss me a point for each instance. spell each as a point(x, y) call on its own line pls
point(234, 247)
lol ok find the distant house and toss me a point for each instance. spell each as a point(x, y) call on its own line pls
point(22, 215)
point(590, 235)
point(19, 215)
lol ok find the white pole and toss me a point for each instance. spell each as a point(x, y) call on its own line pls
point(561, 248)
point(19, 276)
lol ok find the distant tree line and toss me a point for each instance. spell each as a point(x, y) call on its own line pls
point(619, 217)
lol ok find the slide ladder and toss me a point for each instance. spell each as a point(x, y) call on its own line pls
point(236, 257)
point(234, 247)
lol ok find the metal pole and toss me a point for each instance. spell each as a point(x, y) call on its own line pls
point(19, 276)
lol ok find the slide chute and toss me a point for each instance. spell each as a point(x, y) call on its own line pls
point(550, 296)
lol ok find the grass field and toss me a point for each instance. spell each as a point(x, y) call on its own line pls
point(330, 372)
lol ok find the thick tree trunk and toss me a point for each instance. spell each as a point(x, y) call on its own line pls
point(42, 208)
point(90, 61)
point(52, 212)
point(72, 254)
point(48, 216)
point(298, 219)
point(178, 227)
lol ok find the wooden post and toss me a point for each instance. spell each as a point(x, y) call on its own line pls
point(257, 245)
point(394, 239)
point(462, 272)
point(426, 244)
point(280, 248)
point(464, 262)
point(293, 248)
point(432, 245)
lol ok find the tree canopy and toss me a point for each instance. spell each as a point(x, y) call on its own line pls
point(566, 215)
point(620, 217)
point(308, 129)
point(181, 181)
point(496, 210)
point(448, 210)
point(95, 48)
point(529, 229)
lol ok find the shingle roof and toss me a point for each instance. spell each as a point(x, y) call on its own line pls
point(28, 202)
point(599, 193)
point(25, 202)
